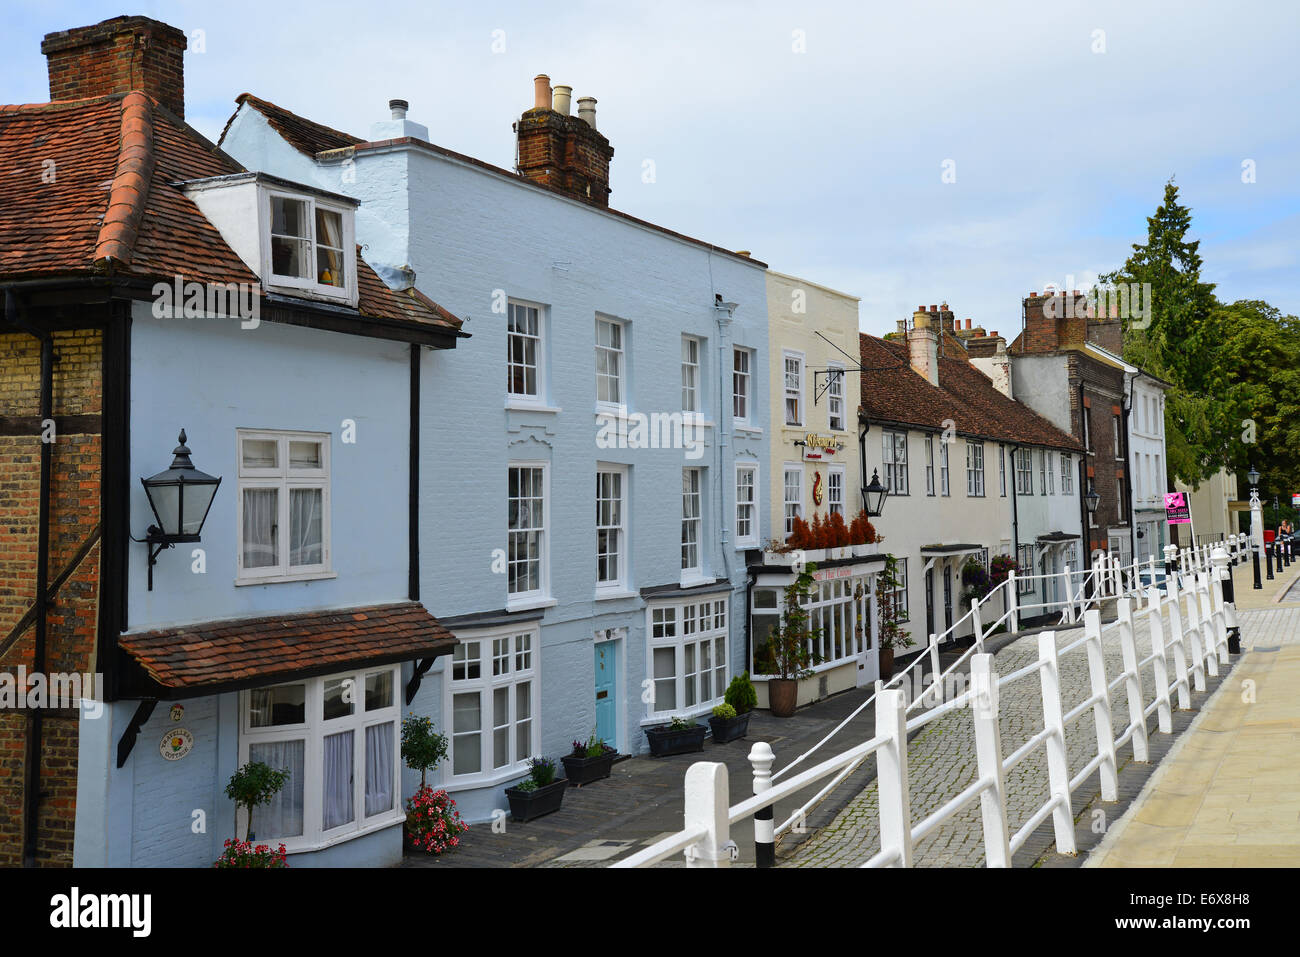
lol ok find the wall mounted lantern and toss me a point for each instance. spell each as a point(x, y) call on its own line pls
point(180, 498)
point(1092, 500)
point(874, 495)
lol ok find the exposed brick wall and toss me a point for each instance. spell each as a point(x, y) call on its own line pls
point(73, 616)
point(118, 56)
point(566, 153)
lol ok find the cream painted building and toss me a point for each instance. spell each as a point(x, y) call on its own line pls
point(1213, 514)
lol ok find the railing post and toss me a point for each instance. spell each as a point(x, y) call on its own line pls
point(762, 758)
point(976, 623)
point(1013, 597)
point(1171, 560)
point(1193, 633)
point(708, 807)
point(1058, 766)
point(1069, 594)
point(1159, 666)
point(988, 757)
point(1209, 638)
point(1227, 589)
point(1219, 613)
point(1133, 684)
point(891, 778)
point(1102, 578)
point(1109, 769)
point(936, 695)
point(1180, 651)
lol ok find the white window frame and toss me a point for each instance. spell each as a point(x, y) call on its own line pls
point(1023, 464)
point(312, 732)
point(753, 505)
point(514, 600)
point(742, 385)
point(974, 468)
point(619, 474)
point(945, 487)
point(1002, 469)
point(618, 355)
point(538, 339)
point(899, 594)
point(791, 469)
point(892, 443)
point(835, 398)
point(284, 479)
point(692, 370)
point(795, 393)
point(929, 464)
point(696, 570)
point(522, 661)
point(1051, 471)
point(1024, 580)
point(666, 628)
point(1067, 474)
point(835, 503)
point(1041, 455)
point(312, 285)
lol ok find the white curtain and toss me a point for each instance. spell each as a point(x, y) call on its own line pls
point(261, 547)
point(282, 817)
point(305, 526)
point(338, 780)
point(379, 768)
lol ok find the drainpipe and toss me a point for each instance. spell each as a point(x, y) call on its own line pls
point(1015, 510)
point(724, 314)
point(1127, 401)
point(864, 426)
point(1083, 492)
point(35, 727)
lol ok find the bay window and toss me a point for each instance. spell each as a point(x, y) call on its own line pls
point(337, 736)
point(688, 655)
point(491, 705)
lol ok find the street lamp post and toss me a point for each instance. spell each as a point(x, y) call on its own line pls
point(1256, 523)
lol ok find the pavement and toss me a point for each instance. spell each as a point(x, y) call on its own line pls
point(1228, 794)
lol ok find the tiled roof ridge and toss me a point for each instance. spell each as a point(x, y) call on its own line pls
point(277, 115)
point(129, 192)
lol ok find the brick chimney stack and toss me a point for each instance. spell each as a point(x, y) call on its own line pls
point(564, 151)
point(118, 56)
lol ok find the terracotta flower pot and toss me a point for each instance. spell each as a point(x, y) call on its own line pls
point(782, 696)
point(886, 663)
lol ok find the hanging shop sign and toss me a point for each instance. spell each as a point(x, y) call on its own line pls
point(1177, 511)
point(820, 448)
point(176, 744)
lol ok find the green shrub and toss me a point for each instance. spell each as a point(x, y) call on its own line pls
point(423, 749)
point(724, 711)
point(741, 695)
point(252, 785)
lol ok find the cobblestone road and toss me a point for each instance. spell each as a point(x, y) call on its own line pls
point(942, 761)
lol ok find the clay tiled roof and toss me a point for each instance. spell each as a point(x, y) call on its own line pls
point(300, 133)
point(892, 392)
point(91, 187)
point(250, 651)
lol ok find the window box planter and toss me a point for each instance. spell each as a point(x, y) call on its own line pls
point(729, 729)
point(580, 771)
point(665, 740)
point(526, 805)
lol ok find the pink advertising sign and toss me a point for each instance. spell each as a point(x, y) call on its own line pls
point(1177, 511)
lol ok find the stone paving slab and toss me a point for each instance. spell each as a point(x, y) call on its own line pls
point(1228, 795)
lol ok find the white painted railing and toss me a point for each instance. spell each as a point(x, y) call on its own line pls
point(1179, 660)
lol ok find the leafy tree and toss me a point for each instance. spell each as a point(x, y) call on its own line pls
point(423, 749)
point(252, 785)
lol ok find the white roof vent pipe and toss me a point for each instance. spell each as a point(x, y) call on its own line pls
point(563, 98)
point(398, 126)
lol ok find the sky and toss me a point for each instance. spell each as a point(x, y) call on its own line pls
point(905, 153)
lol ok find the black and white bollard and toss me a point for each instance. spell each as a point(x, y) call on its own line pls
point(1224, 570)
point(762, 758)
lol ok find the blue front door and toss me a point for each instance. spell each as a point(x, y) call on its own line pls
point(606, 696)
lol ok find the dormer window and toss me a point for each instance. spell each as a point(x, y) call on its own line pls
point(308, 245)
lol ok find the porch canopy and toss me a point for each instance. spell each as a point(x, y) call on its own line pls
point(932, 553)
point(205, 658)
point(1055, 539)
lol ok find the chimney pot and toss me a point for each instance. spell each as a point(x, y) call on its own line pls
point(967, 323)
point(399, 108)
point(541, 92)
point(934, 308)
point(563, 97)
point(587, 110)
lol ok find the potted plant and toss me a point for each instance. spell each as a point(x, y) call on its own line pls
point(730, 720)
point(251, 786)
point(432, 822)
point(891, 633)
point(540, 793)
point(678, 736)
point(788, 654)
point(590, 761)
